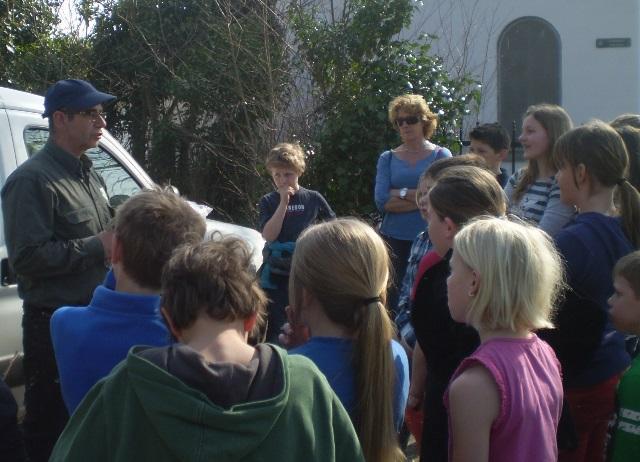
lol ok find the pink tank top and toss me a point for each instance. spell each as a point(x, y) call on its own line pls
point(527, 374)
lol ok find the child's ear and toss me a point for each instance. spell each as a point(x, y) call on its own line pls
point(475, 283)
point(502, 154)
point(167, 319)
point(250, 322)
point(580, 174)
point(452, 228)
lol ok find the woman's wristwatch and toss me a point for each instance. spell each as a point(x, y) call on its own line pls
point(403, 193)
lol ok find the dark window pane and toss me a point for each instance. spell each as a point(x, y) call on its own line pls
point(528, 68)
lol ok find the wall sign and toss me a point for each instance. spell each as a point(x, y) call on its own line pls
point(613, 42)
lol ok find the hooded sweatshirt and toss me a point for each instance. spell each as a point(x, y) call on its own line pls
point(142, 411)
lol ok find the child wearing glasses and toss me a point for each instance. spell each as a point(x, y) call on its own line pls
point(397, 175)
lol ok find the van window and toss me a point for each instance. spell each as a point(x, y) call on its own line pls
point(120, 184)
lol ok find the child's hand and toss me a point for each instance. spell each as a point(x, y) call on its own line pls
point(285, 193)
point(293, 333)
point(415, 398)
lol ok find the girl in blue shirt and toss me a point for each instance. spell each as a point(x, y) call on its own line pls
point(337, 289)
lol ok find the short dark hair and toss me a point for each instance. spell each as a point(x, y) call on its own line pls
point(213, 277)
point(149, 226)
point(492, 134)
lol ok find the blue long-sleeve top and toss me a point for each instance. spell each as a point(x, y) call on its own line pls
point(395, 173)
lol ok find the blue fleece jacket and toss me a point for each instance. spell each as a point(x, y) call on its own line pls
point(591, 245)
point(90, 340)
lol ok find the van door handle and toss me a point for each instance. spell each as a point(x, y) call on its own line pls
point(7, 276)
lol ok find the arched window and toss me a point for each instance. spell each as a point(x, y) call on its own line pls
point(529, 60)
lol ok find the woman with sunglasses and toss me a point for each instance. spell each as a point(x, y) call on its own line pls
point(397, 177)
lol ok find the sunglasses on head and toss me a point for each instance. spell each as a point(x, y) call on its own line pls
point(411, 120)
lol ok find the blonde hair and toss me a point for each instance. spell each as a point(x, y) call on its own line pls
point(414, 105)
point(555, 121)
point(344, 264)
point(602, 151)
point(287, 155)
point(520, 274)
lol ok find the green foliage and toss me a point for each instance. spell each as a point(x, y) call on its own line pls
point(32, 53)
point(199, 84)
point(357, 65)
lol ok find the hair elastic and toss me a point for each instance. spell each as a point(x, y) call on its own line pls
point(621, 181)
point(369, 301)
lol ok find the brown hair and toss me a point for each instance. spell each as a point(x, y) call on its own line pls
point(414, 105)
point(212, 277)
point(287, 155)
point(555, 121)
point(631, 137)
point(464, 192)
point(344, 264)
point(441, 165)
point(600, 149)
point(628, 267)
point(149, 226)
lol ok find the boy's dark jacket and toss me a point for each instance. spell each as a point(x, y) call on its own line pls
point(141, 412)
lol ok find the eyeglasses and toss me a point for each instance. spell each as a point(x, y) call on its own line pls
point(411, 120)
point(93, 114)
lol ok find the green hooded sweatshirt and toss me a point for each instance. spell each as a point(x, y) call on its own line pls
point(140, 412)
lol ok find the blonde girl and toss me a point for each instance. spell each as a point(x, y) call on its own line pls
point(533, 191)
point(593, 163)
point(337, 289)
point(458, 195)
point(505, 400)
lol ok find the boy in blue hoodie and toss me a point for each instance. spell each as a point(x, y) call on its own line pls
point(90, 340)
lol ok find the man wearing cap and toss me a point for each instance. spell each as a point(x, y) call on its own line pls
point(56, 223)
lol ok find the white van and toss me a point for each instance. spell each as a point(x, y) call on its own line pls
point(22, 132)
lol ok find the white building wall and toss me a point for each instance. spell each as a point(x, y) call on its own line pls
point(595, 82)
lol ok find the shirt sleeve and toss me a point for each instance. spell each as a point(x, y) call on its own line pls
point(401, 364)
point(410, 274)
point(556, 214)
point(575, 256)
point(265, 210)
point(28, 208)
point(443, 153)
point(383, 180)
point(510, 187)
point(324, 209)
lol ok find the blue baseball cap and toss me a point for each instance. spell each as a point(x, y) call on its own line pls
point(73, 94)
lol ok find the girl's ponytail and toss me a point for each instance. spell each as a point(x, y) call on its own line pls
point(345, 264)
point(374, 405)
point(629, 203)
point(602, 151)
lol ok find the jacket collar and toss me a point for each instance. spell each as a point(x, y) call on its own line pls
point(67, 160)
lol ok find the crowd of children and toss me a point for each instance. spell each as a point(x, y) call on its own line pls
point(510, 340)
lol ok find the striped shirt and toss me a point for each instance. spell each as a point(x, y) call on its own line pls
point(540, 204)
